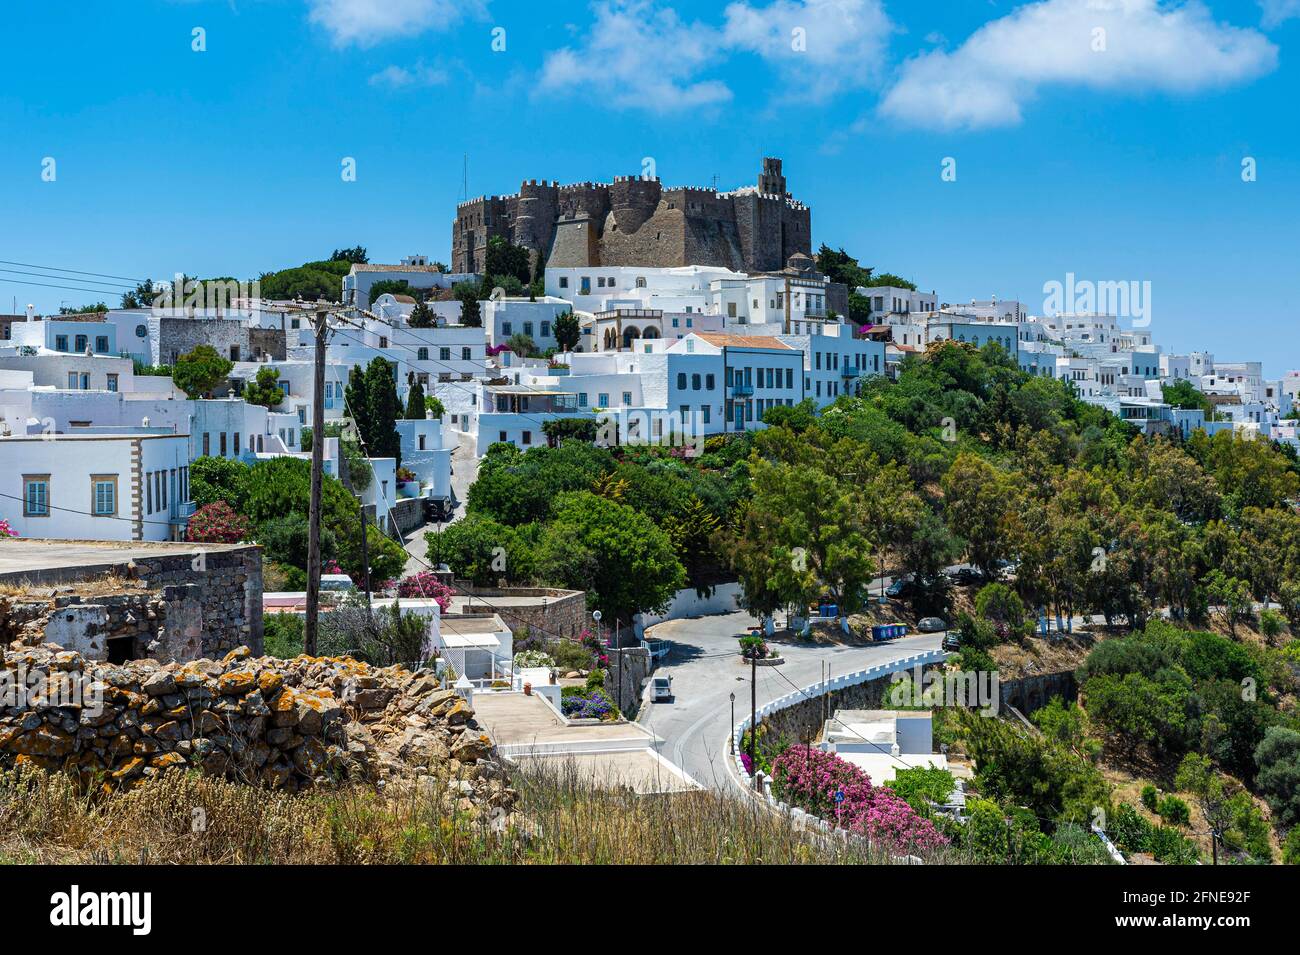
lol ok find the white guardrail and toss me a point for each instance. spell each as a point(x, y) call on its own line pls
point(814, 691)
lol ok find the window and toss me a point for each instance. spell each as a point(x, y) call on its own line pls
point(206, 444)
point(528, 329)
point(677, 322)
point(101, 343)
point(708, 382)
point(444, 354)
point(81, 341)
point(681, 381)
point(546, 329)
point(36, 495)
point(627, 398)
point(584, 287)
point(105, 494)
point(72, 380)
point(505, 329)
point(564, 281)
point(422, 354)
point(704, 413)
point(695, 382)
point(528, 437)
point(60, 342)
point(502, 436)
point(789, 377)
point(148, 493)
point(465, 353)
point(112, 382)
point(602, 400)
point(686, 414)
point(235, 446)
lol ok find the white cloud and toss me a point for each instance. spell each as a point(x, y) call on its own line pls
point(400, 77)
point(638, 54)
point(367, 22)
point(1148, 45)
point(1277, 12)
point(820, 46)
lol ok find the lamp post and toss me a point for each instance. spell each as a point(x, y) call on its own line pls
point(732, 735)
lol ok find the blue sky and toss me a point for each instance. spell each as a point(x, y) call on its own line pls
point(1116, 155)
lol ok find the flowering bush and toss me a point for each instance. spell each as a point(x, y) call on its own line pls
point(426, 585)
point(6, 530)
point(533, 658)
point(753, 648)
point(592, 704)
point(808, 778)
point(217, 523)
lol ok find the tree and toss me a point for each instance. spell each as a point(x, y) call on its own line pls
point(467, 293)
point(615, 553)
point(1139, 711)
point(215, 479)
point(1231, 595)
point(434, 406)
point(355, 255)
point(482, 550)
point(522, 345)
point(416, 407)
point(197, 372)
point(978, 502)
point(1278, 778)
point(558, 430)
point(142, 296)
point(567, 331)
point(264, 389)
point(421, 317)
point(503, 259)
point(371, 398)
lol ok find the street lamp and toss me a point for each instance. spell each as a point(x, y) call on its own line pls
point(732, 735)
point(595, 615)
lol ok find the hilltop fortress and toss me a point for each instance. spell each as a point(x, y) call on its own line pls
point(636, 221)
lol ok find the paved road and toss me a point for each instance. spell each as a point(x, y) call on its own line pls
point(464, 469)
point(706, 668)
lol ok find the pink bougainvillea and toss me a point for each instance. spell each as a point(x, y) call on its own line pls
point(217, 523)
point(810, 779)
point(426, 585)
point(6, 530)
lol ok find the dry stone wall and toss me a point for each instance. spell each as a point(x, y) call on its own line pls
point(288, 725)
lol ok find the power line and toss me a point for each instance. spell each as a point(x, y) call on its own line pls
point(41, 275)
point(52, 268)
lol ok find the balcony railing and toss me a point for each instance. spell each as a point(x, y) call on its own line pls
point(848, 371)
point(742, 390)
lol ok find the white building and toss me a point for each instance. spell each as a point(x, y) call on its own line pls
point(122, 486)
point(414, 270)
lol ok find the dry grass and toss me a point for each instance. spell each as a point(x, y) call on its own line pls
point(185, 818)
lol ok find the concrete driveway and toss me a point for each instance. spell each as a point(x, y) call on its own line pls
point(705, 664)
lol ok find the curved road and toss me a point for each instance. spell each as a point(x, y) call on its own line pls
point(706, 668)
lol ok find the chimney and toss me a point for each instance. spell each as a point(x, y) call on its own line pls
point(31, 313)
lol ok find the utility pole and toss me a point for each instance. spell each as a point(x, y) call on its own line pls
point(317, 464)
point(787, 305)
point(365, 554)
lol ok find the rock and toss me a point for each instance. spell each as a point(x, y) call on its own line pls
point(471, 747)
point(161, 683)
point(236, 682)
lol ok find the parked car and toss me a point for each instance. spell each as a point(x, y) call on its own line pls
point(951, 641)
point(901, 587)
point(964, 576)
point(661, 688)
point(931, 625)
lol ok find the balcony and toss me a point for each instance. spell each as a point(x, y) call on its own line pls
point(741, 390)
point(848, 371)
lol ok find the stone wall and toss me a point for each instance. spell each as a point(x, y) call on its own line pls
point(626, 675)
point(266, 341)
point(169, 607)
point(177, 336)
point(1031, 693)
point(563, 614)
point(287, 725)
point(407, 514)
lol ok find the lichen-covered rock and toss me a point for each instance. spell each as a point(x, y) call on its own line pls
point(286, 724)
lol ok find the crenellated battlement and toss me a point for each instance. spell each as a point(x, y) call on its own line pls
point(637, 220)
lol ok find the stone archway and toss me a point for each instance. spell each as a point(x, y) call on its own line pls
point(630, 335)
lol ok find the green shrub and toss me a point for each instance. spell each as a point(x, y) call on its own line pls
point(1172, 810)
point(1150, 796)
point(282, 635)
